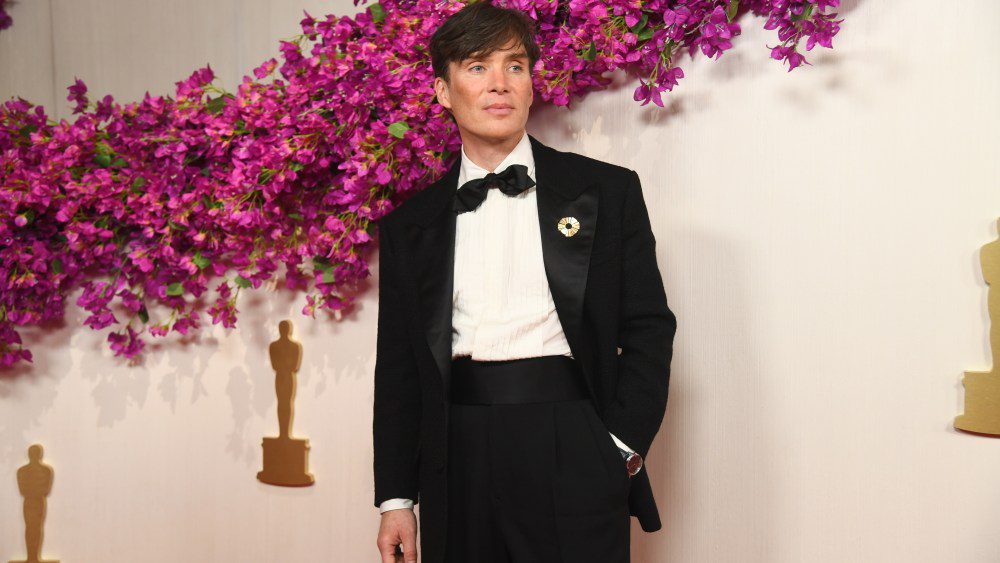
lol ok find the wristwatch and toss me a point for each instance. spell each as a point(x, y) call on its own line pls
point(633, 461)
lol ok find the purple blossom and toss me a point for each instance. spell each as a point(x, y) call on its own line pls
point(128, 344)
point(78, 95)
point(5, 19)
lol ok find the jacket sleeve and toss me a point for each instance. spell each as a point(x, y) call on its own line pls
point(646, 331)
point(397, 408)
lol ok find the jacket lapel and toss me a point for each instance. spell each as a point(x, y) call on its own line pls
point(561, 192)
point(432, 237)
point(564, 192)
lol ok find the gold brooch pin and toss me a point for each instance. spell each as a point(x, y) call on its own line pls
point(568, 226)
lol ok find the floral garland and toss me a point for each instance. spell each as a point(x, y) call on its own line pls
point(151, 202)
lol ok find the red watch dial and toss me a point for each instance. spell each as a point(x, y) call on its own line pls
point(633, 463)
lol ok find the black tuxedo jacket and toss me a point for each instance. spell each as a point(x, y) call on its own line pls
point(608, 294)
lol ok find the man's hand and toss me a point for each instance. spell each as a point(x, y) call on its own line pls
point(399, 526)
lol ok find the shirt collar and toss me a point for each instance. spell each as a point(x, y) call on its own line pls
point(521, 154)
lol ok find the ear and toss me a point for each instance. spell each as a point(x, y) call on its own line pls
point(441, 91)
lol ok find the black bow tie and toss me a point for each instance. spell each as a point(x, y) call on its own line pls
point(511, 181)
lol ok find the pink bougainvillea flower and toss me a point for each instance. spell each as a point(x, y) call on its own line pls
point(5, 19)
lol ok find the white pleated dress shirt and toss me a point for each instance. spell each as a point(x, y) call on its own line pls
point(502, 304)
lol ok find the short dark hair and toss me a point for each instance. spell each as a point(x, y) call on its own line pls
point(480, 28)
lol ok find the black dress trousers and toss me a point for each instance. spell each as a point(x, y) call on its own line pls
point(533, 479)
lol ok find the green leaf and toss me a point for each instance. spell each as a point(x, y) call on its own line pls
point(645, 34)
point(211, 203)
point(322, 263)
point(102, 159)
point(57, 265)
point(143, 314)
point(138, 183)
point(640, 25)
point(734, 5)
point(243, 282)
point(216, 105)
point(591, 52)
point(806, 13)
point(398, 129)
point(175, 226)
point(119, 162)
point(296, 216)
point(175, 289)
point(200, 261)
point(378, 14)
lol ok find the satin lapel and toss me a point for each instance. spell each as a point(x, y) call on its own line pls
point(563, 192)
point(432, 238)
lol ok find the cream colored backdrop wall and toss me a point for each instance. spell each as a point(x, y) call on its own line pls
point(818, 233)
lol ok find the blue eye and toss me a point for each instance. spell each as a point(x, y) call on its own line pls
point(473, 67)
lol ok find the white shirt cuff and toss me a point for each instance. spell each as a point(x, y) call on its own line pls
point(395, 503)
point(620, 443)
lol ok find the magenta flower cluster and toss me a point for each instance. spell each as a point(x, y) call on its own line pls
point(5, 19)
point(149, 205)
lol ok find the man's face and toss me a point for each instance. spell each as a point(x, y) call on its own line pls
point(501, 79)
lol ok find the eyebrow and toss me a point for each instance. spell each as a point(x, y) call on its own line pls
point(518, 55)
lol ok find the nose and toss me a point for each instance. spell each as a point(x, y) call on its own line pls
point(499, 81)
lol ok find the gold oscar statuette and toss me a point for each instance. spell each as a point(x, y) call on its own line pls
point(982, 388)
point(286, 459)
point(35, 482)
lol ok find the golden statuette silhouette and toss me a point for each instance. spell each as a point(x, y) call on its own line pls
point(286, 459)
point(35, 482)
point(982, 388)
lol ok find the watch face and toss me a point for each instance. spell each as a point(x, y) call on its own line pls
point(633, 463)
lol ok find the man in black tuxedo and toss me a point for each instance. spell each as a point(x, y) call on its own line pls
point(524, 339)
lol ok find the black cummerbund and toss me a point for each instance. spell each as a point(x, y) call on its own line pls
point(522, 380)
